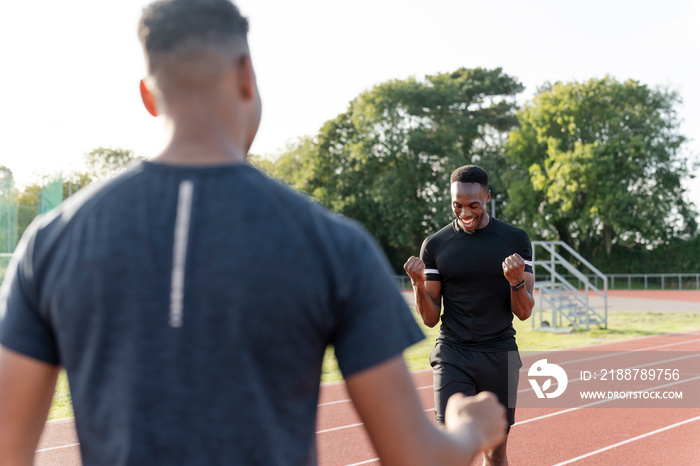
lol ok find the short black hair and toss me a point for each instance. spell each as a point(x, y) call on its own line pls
point(471, 174)
point(167, 24)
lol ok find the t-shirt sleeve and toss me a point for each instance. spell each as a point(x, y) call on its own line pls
point(427, 255)
point(374, 321)
point(22, 327)
point(526, 252)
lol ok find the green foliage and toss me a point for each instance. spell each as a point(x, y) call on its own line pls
point(290, 166)
point(106, 162)
point(8, 211)
point(51, 193)
point(600, 164)
point(386, 161)
point(29, 202)
point(678, 255)
point(74, 183)
point(101, 163)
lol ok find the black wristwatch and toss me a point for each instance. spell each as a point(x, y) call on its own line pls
point(518, 286)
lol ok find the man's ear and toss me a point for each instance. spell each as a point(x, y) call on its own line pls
point(246, 78)
point(148, 100)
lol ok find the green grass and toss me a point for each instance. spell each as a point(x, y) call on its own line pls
point(621, 325)
point(61, 407)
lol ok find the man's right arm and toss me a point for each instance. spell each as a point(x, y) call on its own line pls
point(26, 390)
point(386, 400)
point(428, 294)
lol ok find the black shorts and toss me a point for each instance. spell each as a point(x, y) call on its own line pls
point(458, 370)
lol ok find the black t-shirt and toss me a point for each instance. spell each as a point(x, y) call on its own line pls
point(475, 294)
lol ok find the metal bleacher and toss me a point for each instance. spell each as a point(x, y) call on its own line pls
point(570, 306)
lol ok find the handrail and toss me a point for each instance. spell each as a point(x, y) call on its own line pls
point(574, 271)
point(550, 265)
point(580, 258)
point(562, 281)
point(587, 283)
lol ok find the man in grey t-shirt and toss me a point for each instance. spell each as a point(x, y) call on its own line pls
point(190, 300)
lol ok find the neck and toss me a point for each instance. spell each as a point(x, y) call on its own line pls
point(203, 139)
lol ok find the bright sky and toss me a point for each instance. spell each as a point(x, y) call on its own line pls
point(70, 69)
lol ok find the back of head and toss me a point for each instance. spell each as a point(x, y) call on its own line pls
point(191, 44)
point(470, 174)
point(200, 72)
point(167, 26)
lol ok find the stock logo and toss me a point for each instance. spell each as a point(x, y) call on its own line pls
point(541, 369)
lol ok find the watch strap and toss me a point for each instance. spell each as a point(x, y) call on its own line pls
point(518, 286)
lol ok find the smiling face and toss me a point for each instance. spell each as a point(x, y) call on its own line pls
point(469, 202)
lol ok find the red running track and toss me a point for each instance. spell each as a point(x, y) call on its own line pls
point(581, 436)
point(692, 296)
point(588, 436)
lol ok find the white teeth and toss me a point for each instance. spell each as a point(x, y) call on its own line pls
point(468, 223)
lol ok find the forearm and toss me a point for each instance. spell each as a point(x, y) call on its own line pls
point(455, 449)
point(26, 391)
point(386, 400)
point(522, 303)
point(428, 309)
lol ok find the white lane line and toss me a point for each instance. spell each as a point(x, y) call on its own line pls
point(350, 426)
point(373, 460)
point(339, 428)
point(65, 420)
point(619, 342)
point(633, 439)
point(363, 462)
point(692, 333)
point(58, 448)
point(333, 403)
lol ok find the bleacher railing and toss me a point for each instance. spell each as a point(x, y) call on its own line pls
point(552, 263)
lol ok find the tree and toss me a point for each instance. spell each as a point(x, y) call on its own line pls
point(289, 166)
point(103, 162)
point(28, 206)
point(74, 182)
point(599, 164)
point(8, 211)
point(386, 161)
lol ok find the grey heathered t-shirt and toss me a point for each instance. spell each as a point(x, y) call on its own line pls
point(191, 308)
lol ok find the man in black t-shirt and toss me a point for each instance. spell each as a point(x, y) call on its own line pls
point(479, 269)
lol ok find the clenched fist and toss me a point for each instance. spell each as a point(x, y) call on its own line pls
point(513, 268)
point(415, 268)
point(480, 419)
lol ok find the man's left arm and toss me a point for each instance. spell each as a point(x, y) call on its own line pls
point(521, 286)
point(26, 390)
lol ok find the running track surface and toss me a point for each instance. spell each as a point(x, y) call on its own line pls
point(580, 436)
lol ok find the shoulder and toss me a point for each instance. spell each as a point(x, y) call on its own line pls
point(326, 234)
point(434, 243)
point(443, 235)
point(509, 231)
point(516, 238)
point(89, 199)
